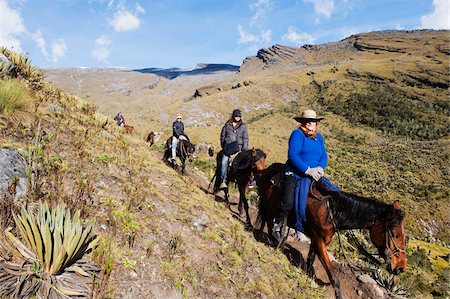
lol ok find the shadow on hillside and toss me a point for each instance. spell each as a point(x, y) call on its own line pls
point(201, 69)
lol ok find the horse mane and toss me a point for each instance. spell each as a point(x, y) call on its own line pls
point(350, 209)
point(188, 143)
point(245, 159)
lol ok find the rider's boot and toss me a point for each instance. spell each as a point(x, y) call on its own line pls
point(277, 231)
point(223, 185)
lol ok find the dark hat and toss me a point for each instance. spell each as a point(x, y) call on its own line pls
point(308, 115)
point(236, 112)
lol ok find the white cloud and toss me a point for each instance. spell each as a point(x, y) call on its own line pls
point(346, 31)
point(59, 49)
point(294, 37)
point(261, 8)
point(11, 27)
point(399, 27)
point(125, 21)
point(139, 8)
point(245, 37)
point(102, 48)
point(266, 36)
point(322, 7)
point(439, 18)
point(38, 38)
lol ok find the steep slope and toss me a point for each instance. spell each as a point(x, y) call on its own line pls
point(161, 236)
point(384, 96)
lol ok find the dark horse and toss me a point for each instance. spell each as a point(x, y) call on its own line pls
point(185, 150)
point(329, 212)
point(244, 166)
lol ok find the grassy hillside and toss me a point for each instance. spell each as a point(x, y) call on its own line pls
point(385, 101)
point(160, 235)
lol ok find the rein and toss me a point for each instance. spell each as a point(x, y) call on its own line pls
point(360, 247)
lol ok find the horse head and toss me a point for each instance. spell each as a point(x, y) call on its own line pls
point(259, 158)
point(391, 240)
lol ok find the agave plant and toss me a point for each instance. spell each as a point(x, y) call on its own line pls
point(46, 262)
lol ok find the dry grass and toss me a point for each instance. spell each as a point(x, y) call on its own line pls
point(146, 211)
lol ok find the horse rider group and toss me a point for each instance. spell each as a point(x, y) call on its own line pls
point(307, 161)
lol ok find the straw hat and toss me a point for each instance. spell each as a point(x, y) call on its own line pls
point(308, 115)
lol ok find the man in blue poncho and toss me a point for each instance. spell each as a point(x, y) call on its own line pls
point(307, 159)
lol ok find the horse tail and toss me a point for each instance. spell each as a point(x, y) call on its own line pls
point(218, 172)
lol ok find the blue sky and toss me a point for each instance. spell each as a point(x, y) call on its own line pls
point(182, 33)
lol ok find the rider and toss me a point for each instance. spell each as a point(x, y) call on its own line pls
point(178, 134)
point(233, 139)
point(307, 159)
point(120, 120)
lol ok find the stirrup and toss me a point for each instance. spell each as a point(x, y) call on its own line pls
point(223, 185)
point(278, 233)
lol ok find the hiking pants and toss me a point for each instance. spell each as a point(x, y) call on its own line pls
point(224, 168)
point(287, 198)
point(174, 145)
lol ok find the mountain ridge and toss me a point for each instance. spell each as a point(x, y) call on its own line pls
point(386, 131)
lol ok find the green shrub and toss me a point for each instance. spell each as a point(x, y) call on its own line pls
point(393, 112)
point(46, 263)
point(14, 96)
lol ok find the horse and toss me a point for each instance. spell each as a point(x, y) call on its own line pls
point(328, 212)
point(129, 129)
point(185, 150)
point(244, 167)
point(150, 138)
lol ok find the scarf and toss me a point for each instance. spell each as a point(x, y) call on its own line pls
point(308, 133)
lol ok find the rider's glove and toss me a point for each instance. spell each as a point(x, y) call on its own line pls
point(315, 172)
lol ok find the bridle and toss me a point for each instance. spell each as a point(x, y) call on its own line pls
point(184, 152)
point(397, 250)
point(388, 236)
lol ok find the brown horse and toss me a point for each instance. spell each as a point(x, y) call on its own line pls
point(244, 167)
point(150, 138)
point(129, 129)
point(329, 212)
point(185, 150)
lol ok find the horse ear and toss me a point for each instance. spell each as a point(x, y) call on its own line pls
point(254, 153)
point(266, 152)
point(397, 205)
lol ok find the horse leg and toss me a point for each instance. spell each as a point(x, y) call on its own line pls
point(309, 268)
point(183, 166)
point(321, 249)
point(243, 199)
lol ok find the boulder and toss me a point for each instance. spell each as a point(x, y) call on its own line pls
point(12, 165)
point(11, 69)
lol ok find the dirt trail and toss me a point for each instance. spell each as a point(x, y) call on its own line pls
point(297, 251)
point(294, 250)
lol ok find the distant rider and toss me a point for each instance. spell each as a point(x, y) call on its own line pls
point(120, 120)
point(178, 134)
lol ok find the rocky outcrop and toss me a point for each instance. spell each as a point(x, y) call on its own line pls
point(12, 165)
point(274, 55)
point(358, 44)
point(7, 67)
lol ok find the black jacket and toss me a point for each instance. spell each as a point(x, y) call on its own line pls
point(230, 134)
point(178, 129)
